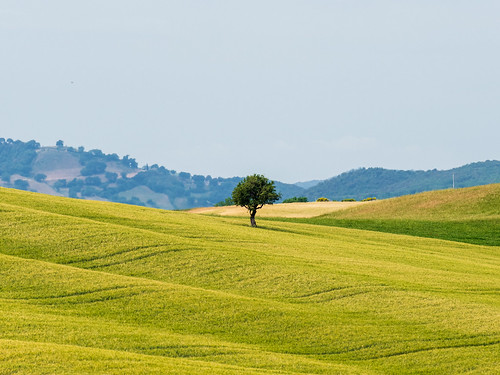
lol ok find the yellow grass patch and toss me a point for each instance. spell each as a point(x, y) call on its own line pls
point(473, 202)
point(298, 209)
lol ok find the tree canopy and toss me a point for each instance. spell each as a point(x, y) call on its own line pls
point(253, 192)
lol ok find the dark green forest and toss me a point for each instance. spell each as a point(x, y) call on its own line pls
point(16, 157)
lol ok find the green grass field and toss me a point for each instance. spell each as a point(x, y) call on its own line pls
point(93, 287)
point(470, 215)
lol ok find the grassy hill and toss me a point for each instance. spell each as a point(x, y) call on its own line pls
point(96, 287)
point(478, 202)
point(469, 215)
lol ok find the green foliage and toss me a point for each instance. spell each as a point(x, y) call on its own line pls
point(93, 181)
point(97, 157)
point(112, 157)
point(111, 176)
point(96, 153)
point(89, 191)
point(132, 201)
point(253, 192)
point(75, 183)
point(160, 181)
point(348, 200)
point(295, 199)
point(93, 167)
point(226, 202)
point(129, 162)
point(21, 184)
point(369, 199)
point(73, 192)
point(322, 199)
point(16, 157)
point(40, 177)
point(75, 186)
point(61, 183)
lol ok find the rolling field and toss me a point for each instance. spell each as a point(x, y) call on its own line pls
point(470, 215)
point(94, 287)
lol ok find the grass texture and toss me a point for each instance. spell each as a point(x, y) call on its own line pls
point(93, 287)
point(470, 215)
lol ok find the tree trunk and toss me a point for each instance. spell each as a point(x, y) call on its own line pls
point(252, 218)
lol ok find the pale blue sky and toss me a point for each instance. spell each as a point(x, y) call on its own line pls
point(296, 90)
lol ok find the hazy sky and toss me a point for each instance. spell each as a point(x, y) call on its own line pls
point(296, 90)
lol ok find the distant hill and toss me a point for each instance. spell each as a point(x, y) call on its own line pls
point(308, 184)
point(386, 183)
point(74, 172)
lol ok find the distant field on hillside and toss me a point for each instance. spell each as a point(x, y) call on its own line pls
point(298, 209)
point(103, 288)
point(469, 215)
point(478, 202)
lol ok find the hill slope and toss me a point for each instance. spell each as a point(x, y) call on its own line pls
point(106, 288)
point(478, 202)
point(469, 215)
point(76, 173)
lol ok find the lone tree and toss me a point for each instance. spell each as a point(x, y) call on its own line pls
point(253, 192)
